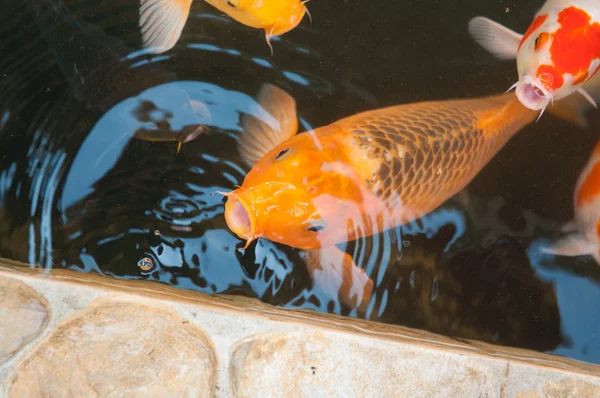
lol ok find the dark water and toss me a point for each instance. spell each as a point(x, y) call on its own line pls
point(77, 190)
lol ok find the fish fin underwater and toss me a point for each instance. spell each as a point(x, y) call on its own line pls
point(498, 40)
point(258, 137)
point(570, 226)
point(336, 274)
point(161, 23)
point(572, 245)
point(574, 107)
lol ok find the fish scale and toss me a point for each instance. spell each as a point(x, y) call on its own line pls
point(426, 153)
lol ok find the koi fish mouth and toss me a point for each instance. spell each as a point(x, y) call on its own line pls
point(532, 96)
point(239, 220)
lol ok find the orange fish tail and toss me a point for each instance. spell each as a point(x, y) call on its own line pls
point(504, 122)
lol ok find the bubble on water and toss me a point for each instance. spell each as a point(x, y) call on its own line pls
point(146, 264)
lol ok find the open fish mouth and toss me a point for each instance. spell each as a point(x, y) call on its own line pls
point(532, 96)
point(239, 218)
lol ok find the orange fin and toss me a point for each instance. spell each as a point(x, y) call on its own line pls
point(498, 40)
point(259, 136)
point(161, 22)
point(339, 277)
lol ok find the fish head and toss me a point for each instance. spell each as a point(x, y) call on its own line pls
point(557, 55)
point(276, 17)
point(538, 81)
point(292, 196)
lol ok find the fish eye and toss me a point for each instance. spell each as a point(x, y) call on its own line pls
point(232, 3)
point(315, 228)
point(316, 225)
point(540, 40)
point(282, 154)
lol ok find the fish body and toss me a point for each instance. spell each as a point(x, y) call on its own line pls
point(558, 54)
point(162, 21)
point(584, 231)
point(360, 175)
point(372, 171)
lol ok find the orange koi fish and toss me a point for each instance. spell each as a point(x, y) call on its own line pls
point(162, 21)
point(558, 54)
point(360, 175)
point(584, 230)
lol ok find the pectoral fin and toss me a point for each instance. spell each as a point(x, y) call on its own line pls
point(571, 226)
point(572, 245)
point(259, 136)
point(574, 106)
point(498, 40)
point(337, 275)
point(161, 22)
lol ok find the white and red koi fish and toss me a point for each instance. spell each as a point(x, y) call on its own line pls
point(558, 54)
point(584, 237)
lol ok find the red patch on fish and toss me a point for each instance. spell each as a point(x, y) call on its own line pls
point(576, 43)
point(549, 77)
point(590, 187)
point(537, 22)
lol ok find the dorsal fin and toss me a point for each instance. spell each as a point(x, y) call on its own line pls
point(258, 136)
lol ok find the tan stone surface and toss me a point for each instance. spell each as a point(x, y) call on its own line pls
point(234, 306)
point(524, 381)
point(24, 314)
point(260, 350)
point(330, 364)
point(119, 347)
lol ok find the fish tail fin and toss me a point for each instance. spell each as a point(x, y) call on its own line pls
point(513, 115)
point(509, 118)
point(334, 271)
point(161, 22)
point(498, 40)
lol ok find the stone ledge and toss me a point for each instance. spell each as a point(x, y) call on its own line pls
point(258, 350)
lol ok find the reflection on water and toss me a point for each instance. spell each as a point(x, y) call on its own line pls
point(86, 181)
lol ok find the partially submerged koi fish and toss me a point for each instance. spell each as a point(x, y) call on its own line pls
point(162, 21)
point(584, 231)
point(360, 175)
point(557, 56)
